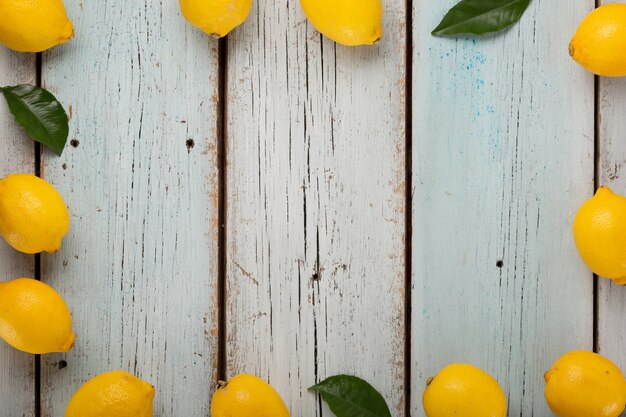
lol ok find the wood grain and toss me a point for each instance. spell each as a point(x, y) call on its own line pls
point(503, 140)
point(139, 266)
point(315, 205)
point(612, 160)
point(17, 369)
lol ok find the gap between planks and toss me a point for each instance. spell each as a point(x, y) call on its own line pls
point(37, 257)
point(221, 215)
point(596, 184)
point(408, 210)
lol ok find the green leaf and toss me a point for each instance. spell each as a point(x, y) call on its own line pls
point(40, 114)
point(481, 16)
point(349, 396)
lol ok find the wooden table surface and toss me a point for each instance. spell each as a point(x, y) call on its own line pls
point(277, 204)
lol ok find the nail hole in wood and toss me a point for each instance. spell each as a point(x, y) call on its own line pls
point(316, 277)
point(64, 166)
point(62, 364)
point(190, 144)
point(74, 143)
point(500, 264)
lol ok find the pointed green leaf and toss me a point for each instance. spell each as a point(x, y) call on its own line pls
point(481, 16)
point(349, 396)
point(40, 114)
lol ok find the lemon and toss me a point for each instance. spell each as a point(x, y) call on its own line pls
point(33, 216)
point(34, 318)
point(461, 390)
point(112, 394)
point(247, 396)
point(585, 384)
point(33, 25)
point(600, 234)
point(600, 41)
point(216, 17)
point(348, 22)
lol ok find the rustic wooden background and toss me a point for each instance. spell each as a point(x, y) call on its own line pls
point(277, 204)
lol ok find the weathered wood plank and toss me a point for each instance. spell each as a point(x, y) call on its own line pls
point(139, 266)
point(17, 377)
point(612, 137)
point(315, 205)
point(503, 155)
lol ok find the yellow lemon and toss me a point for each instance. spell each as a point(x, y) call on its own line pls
point(216, 17)
point(33, 25)
point(247, 396)
point(112, 394)
point(600, 41)
point(33, 216)
point(34, 318)
point(461, 390)
point(585, 384)
point(349, 22)
point(600, 234)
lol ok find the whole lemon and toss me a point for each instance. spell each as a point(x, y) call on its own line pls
point(348, 22)
point(585, 384)
point(600, 234)
point(112, 394)
point(247, 396)
point(33, 25)
point(216, 17)
point(33, 215)
point(461, 390)
point(600, 41)
point(34, 318)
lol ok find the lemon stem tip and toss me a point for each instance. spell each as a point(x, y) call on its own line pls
point(69, 343)
point(620, 281)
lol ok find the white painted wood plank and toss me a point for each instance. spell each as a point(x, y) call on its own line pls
point(502, 156)
point(139, 266)
point(17, 378)
point(315, 209)
point(612, 144)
